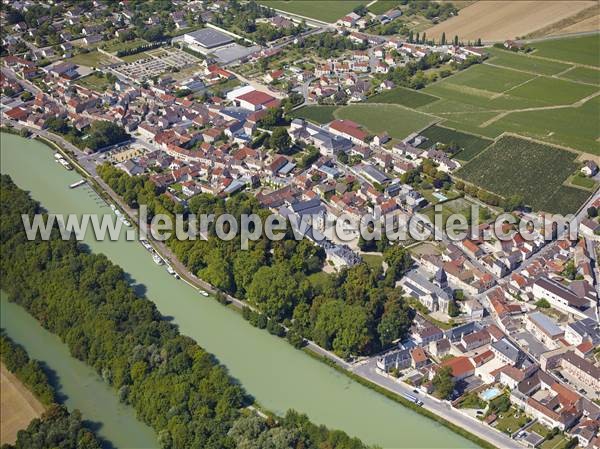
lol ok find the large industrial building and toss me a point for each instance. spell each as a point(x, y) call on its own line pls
point(207, 38)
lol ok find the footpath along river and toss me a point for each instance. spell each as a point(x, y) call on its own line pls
point(277, 375)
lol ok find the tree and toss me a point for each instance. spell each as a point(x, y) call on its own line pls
point(443, 42)
point(443, 383)
point(103, 133)
point(592, 212)
point(280, 140)
point(26, 96)
point(453, 309)
point(398, 259)
point(395, 321)
point(274, 291)
point(514, 202)
point(273, 117)
point(543, 303)
point(456, 41)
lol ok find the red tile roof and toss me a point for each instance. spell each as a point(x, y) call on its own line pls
point(350, 128)
point(256, 98)
point(459, 365)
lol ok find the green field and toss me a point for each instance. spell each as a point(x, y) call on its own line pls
point(572, 127)
point(583, 181)
point(91, 59)
point(520, 61)
point(471, 145)
point(399, 122)
point(406, 97)
point(488, 101)
point(459, 206)
point(553, 91)
point(94, 82)
point(580, 50)
point(583, 74)
point(324, 10)
point(487, 79)
point(381, 6)
point(514, 166)
point(316, 114)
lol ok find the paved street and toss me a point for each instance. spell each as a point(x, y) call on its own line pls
point(440, 408)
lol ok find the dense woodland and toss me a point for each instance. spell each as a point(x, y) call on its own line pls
point(28, 371)
point(57, 428)
point(357, 311)
point(173, 384)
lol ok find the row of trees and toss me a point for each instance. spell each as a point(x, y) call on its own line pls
point(357, 311)
point(56, 428)
point(28, 371)
point(174, 385)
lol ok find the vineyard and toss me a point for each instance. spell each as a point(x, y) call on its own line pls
point(470, 144)
point(514, 166)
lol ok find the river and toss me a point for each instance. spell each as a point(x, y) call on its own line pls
point(277, 375)
point(78, 386)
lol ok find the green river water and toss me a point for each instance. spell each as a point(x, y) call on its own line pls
point(277, 375)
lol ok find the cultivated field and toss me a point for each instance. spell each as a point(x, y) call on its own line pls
point(518, 61)
point(92, 59)
point(325, 10)
point(495, 21)
point(549, 100)
point(94, 82)
point(470, 145)
point(514, 166)
point(381, 6)
point(399, 122)
point(403, 96)
point(18, 407)
point(316, 114)
point(583, 75)
point(583, 50)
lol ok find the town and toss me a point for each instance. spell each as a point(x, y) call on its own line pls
point(237, 98)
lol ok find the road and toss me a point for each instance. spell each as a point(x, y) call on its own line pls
point(439, 408)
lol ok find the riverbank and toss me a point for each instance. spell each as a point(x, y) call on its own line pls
point(278, 376)
point(18, 406)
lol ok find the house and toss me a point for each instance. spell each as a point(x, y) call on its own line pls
point(560, 296)
point(425, 335)
point(131, 168)
point(544, 329)
point(461, 367)
point(273, 76)
point(505, 351)
point(590, 168)
point(583, 330)
point(418, 358)
point(551, 403)
point(513, 45)
point(589, 226)
point(350, 130)
point(255, 100)
point(92, 39)
point(583, 370)
point(440, 348)
point(397, 360)
point(475, 339)
point(473, 309)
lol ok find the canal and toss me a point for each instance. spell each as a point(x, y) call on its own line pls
point(277, 375)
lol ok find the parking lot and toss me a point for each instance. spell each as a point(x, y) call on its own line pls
point(157, 62)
